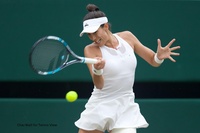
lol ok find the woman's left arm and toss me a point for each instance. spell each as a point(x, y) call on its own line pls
point(154, 59)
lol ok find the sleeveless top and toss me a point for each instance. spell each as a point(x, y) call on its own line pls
point(119, 70)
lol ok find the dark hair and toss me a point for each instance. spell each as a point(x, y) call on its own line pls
point(94, 12)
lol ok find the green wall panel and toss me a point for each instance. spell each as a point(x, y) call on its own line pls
point(23, 22)
point(58, 115)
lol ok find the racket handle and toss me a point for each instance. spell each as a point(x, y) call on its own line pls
point(90, 61)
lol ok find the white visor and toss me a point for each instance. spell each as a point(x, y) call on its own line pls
point(92, 25)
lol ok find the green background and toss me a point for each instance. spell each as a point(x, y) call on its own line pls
point(22, 22)
point(28, 116)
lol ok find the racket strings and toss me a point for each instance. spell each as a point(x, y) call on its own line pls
point(49, 55)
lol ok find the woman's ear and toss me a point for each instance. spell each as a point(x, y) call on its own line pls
point(106, 26)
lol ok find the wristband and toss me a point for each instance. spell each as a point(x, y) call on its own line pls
point(158, 60)
point(97, 72)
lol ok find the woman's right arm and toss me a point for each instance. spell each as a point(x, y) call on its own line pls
point(92, 51)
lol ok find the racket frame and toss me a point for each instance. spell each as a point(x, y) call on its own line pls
point(78, 59)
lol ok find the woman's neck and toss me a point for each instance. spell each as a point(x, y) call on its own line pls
point(112, 41)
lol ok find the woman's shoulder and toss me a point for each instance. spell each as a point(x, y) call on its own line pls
point(91, 46)
point(127, 36)
point(124, 34)
point(92, 50)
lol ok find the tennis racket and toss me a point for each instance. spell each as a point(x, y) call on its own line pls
point(51, 54)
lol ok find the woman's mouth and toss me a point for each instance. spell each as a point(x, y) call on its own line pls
point(98, 41)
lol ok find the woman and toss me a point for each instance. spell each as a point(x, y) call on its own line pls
point(111, 106)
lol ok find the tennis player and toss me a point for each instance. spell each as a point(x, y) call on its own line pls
point(112, 104)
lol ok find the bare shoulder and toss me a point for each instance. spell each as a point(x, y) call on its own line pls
point(92, 50)
point(124, 34)
point(128, 37)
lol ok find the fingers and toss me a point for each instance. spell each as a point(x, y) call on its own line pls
point(171, 42)
point(100, 64)
point(172, 59)
point(159, 44)
point(175, 48)
point(166, 51)
point(175, 54)
point(99, 60)
point(168, 45)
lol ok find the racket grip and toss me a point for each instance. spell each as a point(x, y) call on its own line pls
point(90, 61)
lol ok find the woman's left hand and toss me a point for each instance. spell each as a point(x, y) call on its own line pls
point(167, 51)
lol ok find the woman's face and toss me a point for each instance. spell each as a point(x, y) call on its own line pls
point(100, 37)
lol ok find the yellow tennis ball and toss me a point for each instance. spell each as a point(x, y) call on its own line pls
point(71, 96)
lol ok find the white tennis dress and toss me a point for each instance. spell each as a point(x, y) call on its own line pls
point(113, 106)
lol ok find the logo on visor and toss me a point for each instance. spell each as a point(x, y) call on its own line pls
point(86, 25)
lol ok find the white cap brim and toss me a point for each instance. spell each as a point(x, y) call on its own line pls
point(90, 29)
point(92, 25)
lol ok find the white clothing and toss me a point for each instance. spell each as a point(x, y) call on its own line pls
point(124, 130)
point(113, 106)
